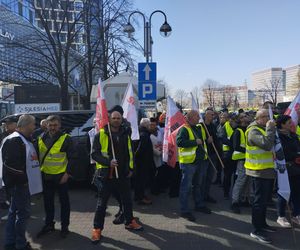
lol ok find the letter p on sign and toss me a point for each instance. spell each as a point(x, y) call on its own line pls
point(147, 89)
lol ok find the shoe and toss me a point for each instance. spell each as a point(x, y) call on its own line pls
point(235, 208)
point(210, 200)
point(267, 228)
point(46, 229)
point(4, 205)
point(204, 210)
point(119, 220)
point(188, 216)
point(260, 237)
point(296, 220)
point(118, 213)
point(64, 232)
point(134, 226)
point(245, 203)
point(282, 221)
point(96, 236)
point(144, 202)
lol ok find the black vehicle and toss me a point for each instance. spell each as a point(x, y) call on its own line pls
point(76, 124)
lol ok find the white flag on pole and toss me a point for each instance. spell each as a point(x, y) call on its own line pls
point(280, 164)
point(196, 107)
point(130, 112)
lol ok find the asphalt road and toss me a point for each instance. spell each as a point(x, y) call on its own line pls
point(163, 228)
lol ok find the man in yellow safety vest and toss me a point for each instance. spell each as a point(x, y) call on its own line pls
point(259, 164)
point(56, 154)
point(192, 156)
point(239, 148)
point(113, 173)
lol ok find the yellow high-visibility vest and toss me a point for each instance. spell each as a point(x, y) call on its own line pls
point(257, 158)
point(188, 155)
point(237, 155)
point(55, 161)
point(229, 131)
point(104, 149)
point(298, 132)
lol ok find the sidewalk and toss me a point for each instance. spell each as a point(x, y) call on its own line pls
point(163, 228)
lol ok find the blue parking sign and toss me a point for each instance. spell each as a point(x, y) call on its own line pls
point(147, 81)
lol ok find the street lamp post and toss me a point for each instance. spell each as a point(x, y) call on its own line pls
point(165, 31)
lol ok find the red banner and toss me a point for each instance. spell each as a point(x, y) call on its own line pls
point(174, 121)
point(101, 110)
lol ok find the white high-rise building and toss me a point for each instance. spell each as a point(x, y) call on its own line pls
point(269, 83)
point(263, 78)
point(292, 82)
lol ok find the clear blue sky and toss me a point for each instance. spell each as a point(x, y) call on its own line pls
point(225, 40)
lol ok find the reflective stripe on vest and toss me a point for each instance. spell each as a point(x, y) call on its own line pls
point(298, 132)
point(55, 161)
point(188, 155)
point(237, 155)
point(104, 149)
point(257, 158)
point(229, 131)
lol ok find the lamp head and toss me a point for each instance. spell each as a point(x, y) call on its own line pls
point(165, 30)
point(129, 29)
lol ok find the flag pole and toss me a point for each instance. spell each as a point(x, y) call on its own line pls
point(213, 144)
point(112, 150)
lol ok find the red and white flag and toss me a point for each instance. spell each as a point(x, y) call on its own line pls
point(293, 111)
point(174, 121)
point(101, 109)
point(130, 112)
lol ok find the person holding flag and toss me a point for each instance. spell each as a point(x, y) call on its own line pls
point(112, 151)
point(259, 164)
point(291, 147)
point(192, 155)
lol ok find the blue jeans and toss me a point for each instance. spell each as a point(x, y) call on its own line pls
point(19, 213)
point(193, 179)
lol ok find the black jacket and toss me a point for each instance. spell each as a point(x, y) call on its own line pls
point(236, 140)
point(291, 149)
point(14, 162)
point(120, 140)
point(144, 150)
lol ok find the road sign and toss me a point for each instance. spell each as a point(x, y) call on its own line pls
point(147, 84)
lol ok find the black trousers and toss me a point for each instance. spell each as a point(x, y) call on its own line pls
point(261, 189)
point(175, 179)
point(50, 188)
point(106, 188)
point(229, 171)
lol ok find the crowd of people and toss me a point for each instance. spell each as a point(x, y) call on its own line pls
point(231, 150)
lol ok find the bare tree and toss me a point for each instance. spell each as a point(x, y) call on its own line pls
point(197, 94)
point(108, 50)
point(181, 97)
point(209, 89)
point(50, 50)
point(229, 96)
point(272, 89)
